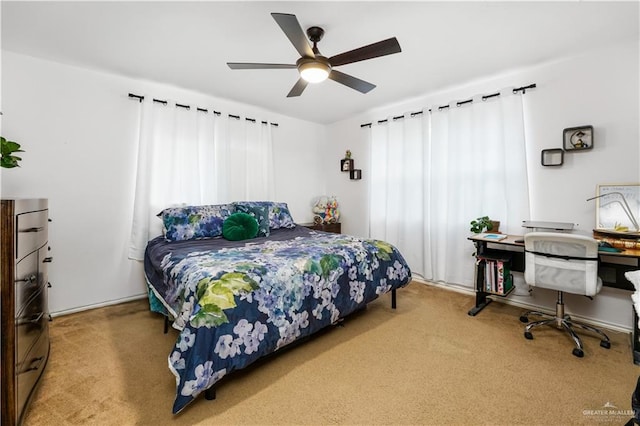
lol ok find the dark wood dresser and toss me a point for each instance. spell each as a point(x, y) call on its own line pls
point(24, 314)
point(336, 228)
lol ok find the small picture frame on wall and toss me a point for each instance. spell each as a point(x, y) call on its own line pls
point(346, 164)
point(578, 138)
point(356, 174)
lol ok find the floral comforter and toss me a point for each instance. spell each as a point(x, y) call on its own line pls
point(235, 302)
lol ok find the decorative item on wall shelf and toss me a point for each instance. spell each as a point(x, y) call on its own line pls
point(577, 138)
point(552, 157)
point(346, 164)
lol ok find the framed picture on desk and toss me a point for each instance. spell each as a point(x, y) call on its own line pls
point(618, 207)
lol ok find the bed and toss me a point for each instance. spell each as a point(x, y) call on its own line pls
point(235, 302)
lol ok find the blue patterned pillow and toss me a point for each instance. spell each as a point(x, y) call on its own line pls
point(195, 222)
point(279, 215)
point(260, 213)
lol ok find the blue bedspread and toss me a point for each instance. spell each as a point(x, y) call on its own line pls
point(235, 302)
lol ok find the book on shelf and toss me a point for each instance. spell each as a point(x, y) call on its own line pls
point(497, 275)
point(491, 237)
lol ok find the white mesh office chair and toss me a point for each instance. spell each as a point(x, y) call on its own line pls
point(565, 263)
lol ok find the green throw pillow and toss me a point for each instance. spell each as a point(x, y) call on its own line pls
point(239, 226)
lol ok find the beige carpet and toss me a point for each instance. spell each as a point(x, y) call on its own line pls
point(427, 362)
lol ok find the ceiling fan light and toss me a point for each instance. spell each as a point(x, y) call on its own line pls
point(314, 72)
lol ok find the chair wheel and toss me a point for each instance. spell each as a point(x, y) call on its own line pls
point(528, 335)
point(605, 344)
point(578, 352)
point(524, 318)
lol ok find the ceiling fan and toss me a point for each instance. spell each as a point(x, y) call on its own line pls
point(314, 67)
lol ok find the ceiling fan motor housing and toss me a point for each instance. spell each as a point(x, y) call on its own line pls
point(314, 70)
point(315, 34)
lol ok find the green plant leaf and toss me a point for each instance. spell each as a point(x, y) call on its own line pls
point(480, 224)
point(7, 148)
point(328, 263)
point(313, 267)
point(209, 316)
point(237, 281)
point(219, 296)
point(216, 295)
point(384, 249)
point(194, 218)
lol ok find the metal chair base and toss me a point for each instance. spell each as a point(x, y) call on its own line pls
point(563, 321)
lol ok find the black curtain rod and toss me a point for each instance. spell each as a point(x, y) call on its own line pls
point(138, 97)
point(493, 95)
point(187, 107)
point(522, 89)
point(398, 117)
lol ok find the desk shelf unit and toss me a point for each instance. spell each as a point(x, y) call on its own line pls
point(492, 275)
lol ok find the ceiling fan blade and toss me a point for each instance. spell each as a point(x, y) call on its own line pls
point(298, 88)
point(292, 29)
point(350, 81)
point(375, 50)
point(257, 66)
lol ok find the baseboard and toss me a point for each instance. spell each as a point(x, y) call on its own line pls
point(448, 287)
point(98, 305)
point(526, 306)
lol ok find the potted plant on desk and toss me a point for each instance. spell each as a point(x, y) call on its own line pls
point(483, 224)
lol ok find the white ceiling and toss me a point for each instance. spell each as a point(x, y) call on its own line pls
point(187, 44)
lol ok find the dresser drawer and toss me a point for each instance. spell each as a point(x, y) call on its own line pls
point(30, 370)
point(26, 281)
point(31, 232)
point(31, 322)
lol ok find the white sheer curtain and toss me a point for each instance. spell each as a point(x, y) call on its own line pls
point(186, 156)
point(432, 173)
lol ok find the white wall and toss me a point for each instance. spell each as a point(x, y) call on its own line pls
point(600, 88)
point(79, 131)
point(78, 128)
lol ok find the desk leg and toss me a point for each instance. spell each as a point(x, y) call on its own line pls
point(481, 302)
point(478, 279)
